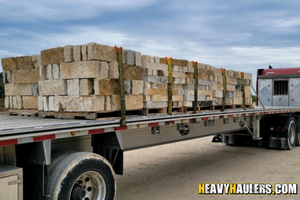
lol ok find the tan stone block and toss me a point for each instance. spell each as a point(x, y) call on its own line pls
point(154, 91)
point(248, 76)
point(86, 87)
point(18, 89)
point(42, 72)
point(187, 103)
point(81, 103)
point(138, 59)
point(231, 81)
point(81, 69)
point(26, 76)
point(134, 102)
point(113, 71)
point(101, 52)
point(9, 76)
point(107, 87)
point(137, 87)
point(103, 70)
point(156, 66)
point(77, 53)
point(159, 85)
point(218, 93)
point(73, 87)
point(84, 53)
point(146, 58)
point(7, 102)
point(231, 87)
point(146, 98)
point(237, 74)
point(9, 64)
point(40, 103)
point(55, 71)
point(237, 101)
point(45, 103)
point(49, 72)
point(17, 102)
point(52, 87)
point(178, 74)
point(68, 53)
point(165, 98)
point(205, 92)
point(52, 56)
point(30, 102)
point(17, 63)
point(36, 60)
point(107, 104)
point(132, 72)
point(248, 91)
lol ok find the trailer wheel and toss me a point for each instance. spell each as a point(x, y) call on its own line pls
point(291, 133)
point(298, 132)
point(81, 175)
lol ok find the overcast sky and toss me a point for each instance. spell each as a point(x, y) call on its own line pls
point(241, 35)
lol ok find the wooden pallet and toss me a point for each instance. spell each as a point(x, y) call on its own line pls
point(31, 113)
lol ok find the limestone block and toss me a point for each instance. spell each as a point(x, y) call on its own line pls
point(155, 91)
point(230, 94)
point(107, 104)
point(84, 53)
point(86, 87)
point(177, 103)
point(132, 102)
point(52, 56)
point(147, 85)
point(45, 103)
point(156, 66)
point(11, 101)
point(147, 72)
point(107, 87)
point(9, 64)
point(127, 86)
point(175, 62)
point(36, 60)
point(26, 76)
point(231, 87)
point(155, 104)
point(218, 93)
point(147, 98)
point(30, 102)
point(81, 103)
point(55, 71)
point(42, 72)
point(113, 71)
point(165, 98)
point(191, 98)
point(129, 57)
point(18, 89)
point(239, 94)
point(4, 77)
point(68, 53)
point(52, 87)
point(178, 74)
point(73, 87)
point(54, 103)
point(132, 72)
point(103, 70)
point(231, 81)
point(34, 89)
point(159, 85)
point(237, 101)
point(248, 76)
point(248, 91)
point(17, 102)
point(137, 87)
point(101, 52)
point(162, 79)
point(146, 58)
point(81, 69)
point(40, 103)
point(49, 72)
point(205, 92)
point(7, 101)
point(187, 103)
point(138, 59)
point(77, 53)
point(9, 76)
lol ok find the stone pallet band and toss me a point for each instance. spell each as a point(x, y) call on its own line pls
point(119, 52)
point(243, 90)
point(224, 88)
point(170, 85)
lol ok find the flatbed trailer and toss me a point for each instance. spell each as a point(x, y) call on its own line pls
point(78, 159)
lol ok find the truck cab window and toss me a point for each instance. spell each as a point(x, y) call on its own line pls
point(280, 87)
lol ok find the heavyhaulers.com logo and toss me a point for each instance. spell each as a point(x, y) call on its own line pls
point(248, 188)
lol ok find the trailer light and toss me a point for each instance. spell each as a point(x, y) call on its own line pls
point(278, 128)
point(283, 129)
point(138, 125)
point(272, 128)
point(73, 133)
point(182, 120)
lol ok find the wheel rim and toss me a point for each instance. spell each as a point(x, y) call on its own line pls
point(292, 135)
point(89, 186)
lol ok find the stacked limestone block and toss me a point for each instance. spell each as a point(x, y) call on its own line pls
point(85, 78)
point(21, 76)
point(206, 82)
point(234, 88)
point(156, 78)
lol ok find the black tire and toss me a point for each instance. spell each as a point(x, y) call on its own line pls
point(291, 133)
point(81, 174)
point(298, 132)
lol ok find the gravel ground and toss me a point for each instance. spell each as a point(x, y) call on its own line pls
point(173, 171)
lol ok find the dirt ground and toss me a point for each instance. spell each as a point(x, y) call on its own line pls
point(173, 171)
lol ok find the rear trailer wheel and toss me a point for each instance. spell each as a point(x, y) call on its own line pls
point(82, 176)
point(291, 134)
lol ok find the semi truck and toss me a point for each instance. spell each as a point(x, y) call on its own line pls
point(47, 158)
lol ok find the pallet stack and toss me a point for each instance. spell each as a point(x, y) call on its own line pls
point(84, 80)
point(21, 76)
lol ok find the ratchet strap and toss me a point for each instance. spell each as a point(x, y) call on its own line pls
point(195, 102)
point(170, 85)
point(243, 90)
point(119, 52)
point(223, 71)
